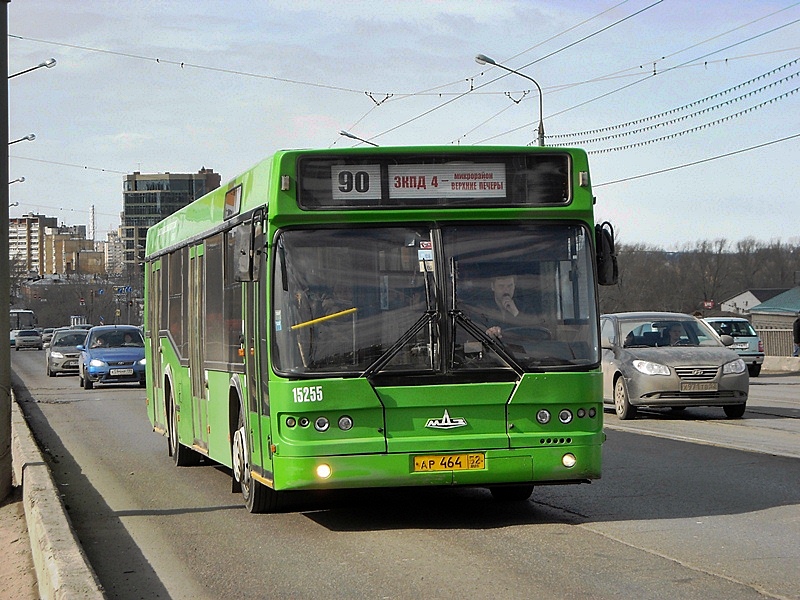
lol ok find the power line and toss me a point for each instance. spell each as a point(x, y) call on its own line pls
point(697, 162)
point(690, 104)
point(63, 164)
point(698, 127)
point(645, 78)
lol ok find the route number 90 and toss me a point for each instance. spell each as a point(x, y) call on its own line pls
point(349, 182)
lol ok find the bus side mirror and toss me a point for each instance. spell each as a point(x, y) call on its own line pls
point(607, 268)
point(243, 252)
point(247, 247)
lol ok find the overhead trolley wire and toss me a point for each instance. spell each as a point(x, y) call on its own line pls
point(697, 162)
point(566, 136)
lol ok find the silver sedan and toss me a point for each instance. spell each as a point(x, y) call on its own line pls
point(669, 360)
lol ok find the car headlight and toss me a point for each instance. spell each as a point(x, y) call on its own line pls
point(650, 368)
point(734, 367)
point(56, 355)
point(143, 362)
point(96, 362)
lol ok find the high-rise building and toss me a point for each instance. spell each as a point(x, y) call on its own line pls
point(148, 198)
point(26, 243)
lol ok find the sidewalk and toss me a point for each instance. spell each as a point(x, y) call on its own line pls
point(60, 568)
point(17, 573)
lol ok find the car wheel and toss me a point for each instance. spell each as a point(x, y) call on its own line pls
point(734, 411)
point(621, 404)
point(50, 372)
point(754, 370)
point(88, 384)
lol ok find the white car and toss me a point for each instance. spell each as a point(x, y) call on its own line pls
point(28, 338)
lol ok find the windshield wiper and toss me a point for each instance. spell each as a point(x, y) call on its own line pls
point(426, 318)
point(492, 342)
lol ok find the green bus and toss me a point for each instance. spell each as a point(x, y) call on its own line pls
point(383, 316)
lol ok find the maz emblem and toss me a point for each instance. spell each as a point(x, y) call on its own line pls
point(446, 422)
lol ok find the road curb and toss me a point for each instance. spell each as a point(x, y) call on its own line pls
point(62, 570)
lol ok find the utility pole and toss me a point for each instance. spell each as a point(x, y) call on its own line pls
point(5, 279)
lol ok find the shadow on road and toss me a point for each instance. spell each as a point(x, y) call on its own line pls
point(107, 544)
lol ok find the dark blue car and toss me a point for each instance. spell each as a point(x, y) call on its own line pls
point(112, 354)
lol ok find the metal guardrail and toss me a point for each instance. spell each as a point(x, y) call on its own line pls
point(777, 342)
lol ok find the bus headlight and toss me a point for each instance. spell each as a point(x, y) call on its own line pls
point(345, 423)
point(321, 424)
point(543, 417)
point(569, 460)
point(324, 471)
point(565, 416)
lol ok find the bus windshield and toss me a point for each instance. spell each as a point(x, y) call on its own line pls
point(21, 319)
point(456, 298)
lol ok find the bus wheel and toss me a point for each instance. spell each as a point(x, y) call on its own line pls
point(623, 407)
point(181, 455)
point(257, 497)
point(512, 493)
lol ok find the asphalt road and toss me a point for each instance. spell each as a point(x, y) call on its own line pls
point(690, 505)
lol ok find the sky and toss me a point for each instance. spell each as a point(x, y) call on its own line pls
point(690, 111)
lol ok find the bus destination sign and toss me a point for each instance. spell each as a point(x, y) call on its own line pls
point(418, 181)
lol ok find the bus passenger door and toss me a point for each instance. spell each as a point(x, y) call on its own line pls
point(196, 351)
point(255, 330)
point(155, 396)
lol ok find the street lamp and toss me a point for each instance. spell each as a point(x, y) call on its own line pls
point(48, 64)
point(29, 138)
point(18, 179)
point(355, 137)
point(482, 59)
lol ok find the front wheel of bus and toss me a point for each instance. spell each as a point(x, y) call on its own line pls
point(512, 493)
point(257, 497)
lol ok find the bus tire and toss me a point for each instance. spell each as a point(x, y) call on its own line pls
point(512, 493)
point(624, 409)
point(181, 455)
point(257, 497)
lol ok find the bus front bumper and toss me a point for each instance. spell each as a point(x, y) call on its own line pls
point(525, 465)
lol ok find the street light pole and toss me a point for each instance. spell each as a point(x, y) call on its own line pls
point(5, 267)
point(48, 64)
point(30, 137)
point(5, 281)
point(482, 59)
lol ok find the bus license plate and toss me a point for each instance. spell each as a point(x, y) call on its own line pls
point(117, 372)
point(698, 387)
point(449, 462)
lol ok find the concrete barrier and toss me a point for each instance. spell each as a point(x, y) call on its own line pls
point(62, 569)
point(781, 364)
